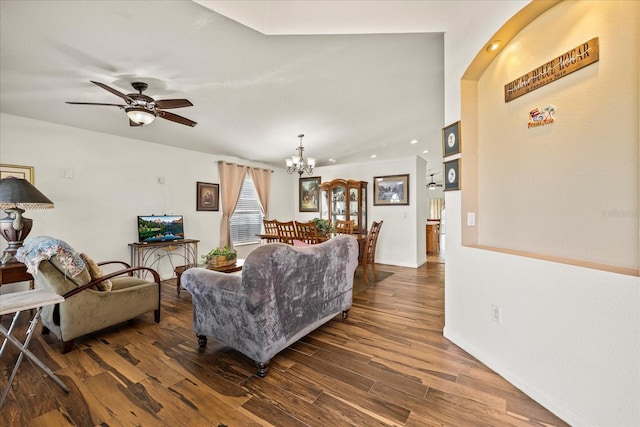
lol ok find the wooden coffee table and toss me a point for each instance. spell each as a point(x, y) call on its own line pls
point(233, 268)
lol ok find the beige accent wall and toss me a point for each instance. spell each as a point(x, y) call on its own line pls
point(568, 190)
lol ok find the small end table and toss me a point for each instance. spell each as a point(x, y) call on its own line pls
point(16, 302)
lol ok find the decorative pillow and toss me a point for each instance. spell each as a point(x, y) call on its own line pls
point(96, 273)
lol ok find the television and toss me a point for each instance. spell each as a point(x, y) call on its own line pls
point(160, 228)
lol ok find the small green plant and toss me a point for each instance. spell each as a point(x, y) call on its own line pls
point(226, 252)
point(324, 226)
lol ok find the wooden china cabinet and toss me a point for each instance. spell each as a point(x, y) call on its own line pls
point(346, 200)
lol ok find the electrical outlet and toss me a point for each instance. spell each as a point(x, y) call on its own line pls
point(495, 313)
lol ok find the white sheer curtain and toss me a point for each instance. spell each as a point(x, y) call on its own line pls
point(435, 208)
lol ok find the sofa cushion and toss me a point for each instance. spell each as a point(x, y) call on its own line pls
point(96, 273)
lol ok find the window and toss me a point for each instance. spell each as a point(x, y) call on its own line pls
point(246, 221)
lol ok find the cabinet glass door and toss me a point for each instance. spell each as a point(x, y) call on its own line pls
point(354, 207)
point(338, 204)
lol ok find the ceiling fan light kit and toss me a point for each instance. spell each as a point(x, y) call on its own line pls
point(140, 115)
point(142, 109)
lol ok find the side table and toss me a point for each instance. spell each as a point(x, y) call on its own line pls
point(16, 302)
point(17, 272)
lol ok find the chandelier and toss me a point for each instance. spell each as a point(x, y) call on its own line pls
point(299, 163)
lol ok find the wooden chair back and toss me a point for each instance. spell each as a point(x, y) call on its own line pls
point(271, 228)
point(307, 232)
point(286, 231)
point(368, 255)
point(344, 227)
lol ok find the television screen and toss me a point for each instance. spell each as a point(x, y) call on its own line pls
point(160, 228)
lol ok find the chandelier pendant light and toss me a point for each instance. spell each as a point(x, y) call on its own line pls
point(298, 163)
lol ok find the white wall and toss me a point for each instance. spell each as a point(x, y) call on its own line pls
point(547, 190)
point(114, 181)
point(402, 239)
point(569, 336)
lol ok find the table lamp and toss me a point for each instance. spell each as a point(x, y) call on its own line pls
point(16, 195)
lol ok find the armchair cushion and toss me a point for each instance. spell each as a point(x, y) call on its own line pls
point(96, 273)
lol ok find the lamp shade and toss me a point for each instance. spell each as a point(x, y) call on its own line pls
point(19, 193)
point(140, 115)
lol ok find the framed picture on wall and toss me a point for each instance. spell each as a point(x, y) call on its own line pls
point(451, 143)
point(207, 196)
point(24, 172)
point(309, 194)
point(391, 190)
point(452, 175)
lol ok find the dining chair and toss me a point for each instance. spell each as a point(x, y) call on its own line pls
point(286, 231)
point(307, 232)
point(344, 227)
point(270, 230)
point(368, 254)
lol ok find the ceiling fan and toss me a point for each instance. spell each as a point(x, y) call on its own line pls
point(432, 185)
point(142, 109)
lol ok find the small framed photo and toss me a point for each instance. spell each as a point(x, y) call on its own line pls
point(451, 142)
point(207, 197)
point(24, 172)
point(309, 194)
point(391, 190)
point(452, 175)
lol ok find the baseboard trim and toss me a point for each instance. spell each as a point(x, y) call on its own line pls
point(564, 413)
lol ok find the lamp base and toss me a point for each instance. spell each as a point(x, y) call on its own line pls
point(14, 237)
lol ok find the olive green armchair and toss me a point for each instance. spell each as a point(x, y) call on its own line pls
point(93, 300)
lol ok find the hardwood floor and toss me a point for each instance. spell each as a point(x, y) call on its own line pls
point(386, 365)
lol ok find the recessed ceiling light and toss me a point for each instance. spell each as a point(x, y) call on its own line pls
point(494, 45)
point(373, 156)
point(414, 141)
point(425, 151)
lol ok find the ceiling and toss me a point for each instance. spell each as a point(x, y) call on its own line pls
point(352, 95)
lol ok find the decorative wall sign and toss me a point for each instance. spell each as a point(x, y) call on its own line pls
point(451, 139)
point(452, 175)
point(542, 116)
point(561, 66)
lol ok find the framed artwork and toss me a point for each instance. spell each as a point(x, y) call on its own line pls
point(309, 194)
point(452, 175)
point(391, 190)
point(24, 172)
point(451, 143)
point(207, 197)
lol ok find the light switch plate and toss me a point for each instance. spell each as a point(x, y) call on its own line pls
point(471, 219)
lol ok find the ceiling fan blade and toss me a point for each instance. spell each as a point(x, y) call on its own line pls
point(96, 103)
point(175, 118)
point(173, 103)
point(132, 123)
point(113, 91)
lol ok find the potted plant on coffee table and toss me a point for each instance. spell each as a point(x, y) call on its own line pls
point(220, 257)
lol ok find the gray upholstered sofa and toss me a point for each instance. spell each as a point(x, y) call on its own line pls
point(283, 293)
